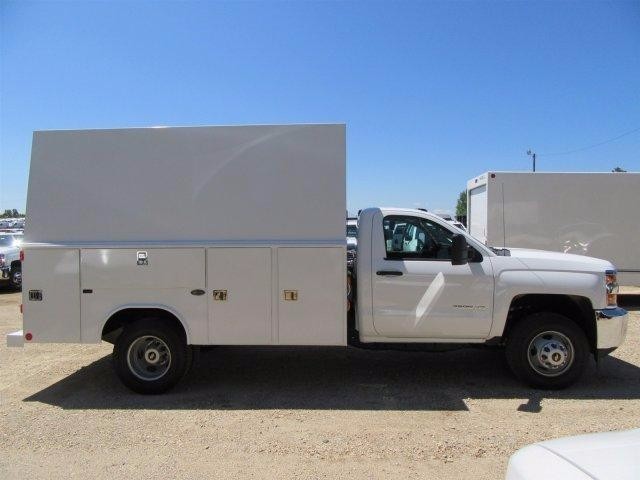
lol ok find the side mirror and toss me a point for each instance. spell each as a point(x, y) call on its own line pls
point(459, 250)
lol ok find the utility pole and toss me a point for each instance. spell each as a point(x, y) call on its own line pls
point(532, 155)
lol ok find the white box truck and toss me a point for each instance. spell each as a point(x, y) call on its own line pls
point(161, 240)
point(593, 214)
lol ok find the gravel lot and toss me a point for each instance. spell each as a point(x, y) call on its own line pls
point(292, 413)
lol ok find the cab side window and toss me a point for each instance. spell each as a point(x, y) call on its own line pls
point(409, 237)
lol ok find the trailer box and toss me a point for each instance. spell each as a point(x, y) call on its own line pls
point(199, 223)
point(593, 214)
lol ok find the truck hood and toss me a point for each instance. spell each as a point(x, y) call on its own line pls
point(543, 259)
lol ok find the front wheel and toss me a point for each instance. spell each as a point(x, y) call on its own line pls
point(547, 350)
point(16, 277)
point(151, 357)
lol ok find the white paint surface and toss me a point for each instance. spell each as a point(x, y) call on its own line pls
point(243, 183)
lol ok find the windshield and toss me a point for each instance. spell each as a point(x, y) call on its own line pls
point(352, 231)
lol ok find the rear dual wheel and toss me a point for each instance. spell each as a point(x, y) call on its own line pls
point(547, 350)
point(150, 356)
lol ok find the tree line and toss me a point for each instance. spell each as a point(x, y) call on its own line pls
point(12, 213)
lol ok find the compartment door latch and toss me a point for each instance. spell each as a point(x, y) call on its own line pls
point(220, 295)
point(290, 295)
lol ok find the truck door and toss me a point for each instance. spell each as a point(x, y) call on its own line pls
point(417, 292)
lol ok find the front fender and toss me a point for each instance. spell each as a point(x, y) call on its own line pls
point(512, 283)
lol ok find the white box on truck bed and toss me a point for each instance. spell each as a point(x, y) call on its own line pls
point(197, 222)
point(233, 184)
point(594, 214)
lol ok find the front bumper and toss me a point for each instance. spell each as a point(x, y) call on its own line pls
point(611, 325)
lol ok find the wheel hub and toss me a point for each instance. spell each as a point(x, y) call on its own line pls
point(152, 355)
point(550, 353)
point(149, 357)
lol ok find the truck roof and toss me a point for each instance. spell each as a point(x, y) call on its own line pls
point(482, 178)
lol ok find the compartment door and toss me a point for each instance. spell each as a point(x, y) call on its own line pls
point(312, 296)
point(165, 278)
point(239, 291)
point(51, 294)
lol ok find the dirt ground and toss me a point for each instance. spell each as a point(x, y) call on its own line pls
point(293, 413)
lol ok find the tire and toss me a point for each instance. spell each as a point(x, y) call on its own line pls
point(535, 351)
point(151, 357)
point(15, 277)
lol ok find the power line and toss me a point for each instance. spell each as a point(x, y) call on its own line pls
point(629, 132)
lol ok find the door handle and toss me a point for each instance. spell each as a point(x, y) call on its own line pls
point(389, 273)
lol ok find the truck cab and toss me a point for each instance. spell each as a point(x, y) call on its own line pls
point(419, 280)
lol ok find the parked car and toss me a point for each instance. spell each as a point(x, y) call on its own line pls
point(457, 224)
point(352, 231)
point(10, 265)
point(12, 223)
point(450, 220)
point(260, 259)
point(352, 240)
point(597, 456)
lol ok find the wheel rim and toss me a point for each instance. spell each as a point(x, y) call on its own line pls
point(550, 353)
point(16, 278)
point(149, 358)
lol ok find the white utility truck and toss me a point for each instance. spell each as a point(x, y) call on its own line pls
point(594, 214)
point(159, 240)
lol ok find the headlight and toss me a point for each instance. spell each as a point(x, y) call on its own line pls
point(611, 285)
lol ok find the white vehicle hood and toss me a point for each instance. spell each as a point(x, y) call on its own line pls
point(546, 260)
point(599, 456)
point(10, 250)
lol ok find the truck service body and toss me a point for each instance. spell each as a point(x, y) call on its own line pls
point(162, 239)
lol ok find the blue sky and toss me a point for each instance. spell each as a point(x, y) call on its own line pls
point(432, 93)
